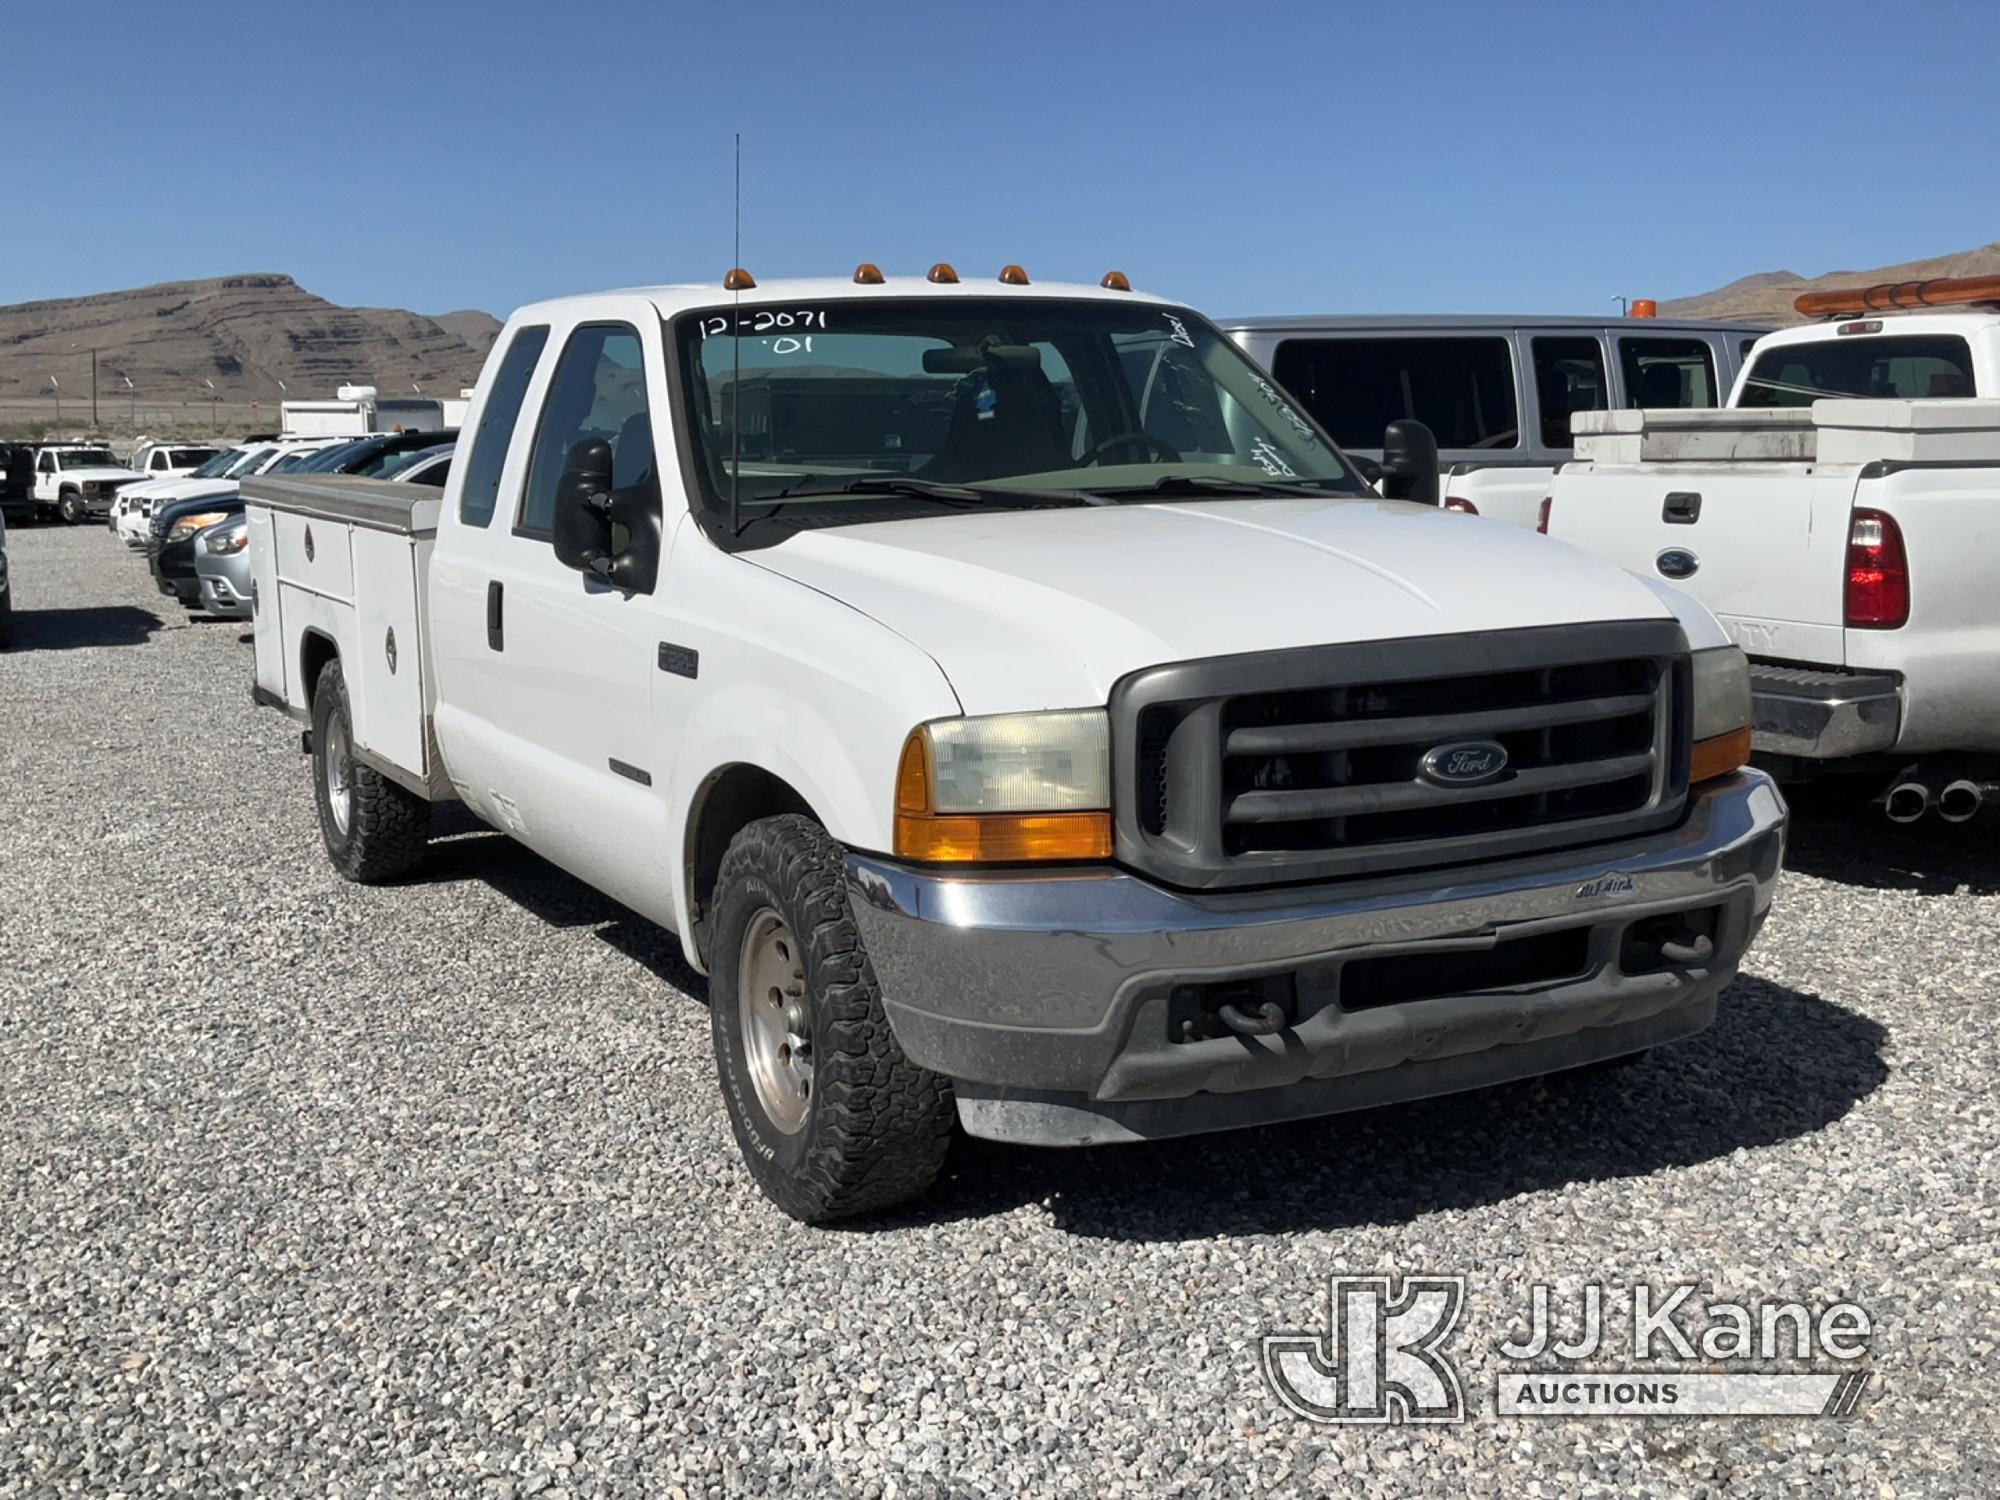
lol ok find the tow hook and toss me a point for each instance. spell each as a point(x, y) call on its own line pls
point(1269, 1017)
point(1695, 949)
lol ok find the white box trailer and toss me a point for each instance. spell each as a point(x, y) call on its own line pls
point(358, 409)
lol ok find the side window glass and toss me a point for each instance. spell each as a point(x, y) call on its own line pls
point(598, 392)
point(1569, 377)
point(1667, 372)
point(47, 465)
point(1461, 388)
point(488, 455)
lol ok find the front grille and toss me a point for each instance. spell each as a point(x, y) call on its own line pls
point(1308, 764)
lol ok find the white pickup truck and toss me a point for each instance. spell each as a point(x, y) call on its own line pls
point(77, 481)
point(1843, 519)
point(1025, 716)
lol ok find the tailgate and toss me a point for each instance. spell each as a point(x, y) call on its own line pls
point(1764, 547)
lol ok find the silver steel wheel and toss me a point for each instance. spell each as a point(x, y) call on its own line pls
point(776, 1017)
point(339, 773)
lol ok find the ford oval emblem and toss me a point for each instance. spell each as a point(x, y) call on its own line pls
point(1677, 562)
point(1465, 762)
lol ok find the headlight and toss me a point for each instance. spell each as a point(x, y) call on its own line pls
point(1721, 712)
point(228, 539)
point(90, 486)
point(1006, 787)
point(187, 526)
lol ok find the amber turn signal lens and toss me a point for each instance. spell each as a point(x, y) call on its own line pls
point(1721, 755)
point(1003, 838)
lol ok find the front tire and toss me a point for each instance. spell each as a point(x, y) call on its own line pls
point(69, 505)
point(373, 829)
point(832, 1119)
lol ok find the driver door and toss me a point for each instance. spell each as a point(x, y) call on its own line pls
point(570, 759)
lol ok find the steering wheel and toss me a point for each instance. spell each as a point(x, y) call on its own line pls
point(1164, 450)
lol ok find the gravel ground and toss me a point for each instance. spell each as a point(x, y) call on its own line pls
point(311, 1189)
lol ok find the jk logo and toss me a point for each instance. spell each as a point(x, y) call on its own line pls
point(1378, 1359)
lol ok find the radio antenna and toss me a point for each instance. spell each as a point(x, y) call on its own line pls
point(736, 352)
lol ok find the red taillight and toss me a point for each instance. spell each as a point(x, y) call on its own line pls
point(1542, 515)
point(1460, 504)
point(1878, 572)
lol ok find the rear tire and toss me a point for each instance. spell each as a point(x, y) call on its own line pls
point(7, 619)
point(373, 829)
point(844, 1124)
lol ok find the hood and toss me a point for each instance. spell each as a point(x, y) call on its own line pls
point(101, 475)
point(178, 489)
point(1047, 609)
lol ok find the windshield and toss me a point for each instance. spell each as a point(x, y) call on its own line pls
point(328, 460)
point(1904, 366)
point(187, 458)
point(87, 458)
point(221, 464)
point(246, 462)
point(889, 408)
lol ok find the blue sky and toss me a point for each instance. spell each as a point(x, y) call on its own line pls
point(1248, 157)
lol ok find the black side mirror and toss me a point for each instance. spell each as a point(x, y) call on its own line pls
point(1410, 462)
point(582, 525)
point(603, 533)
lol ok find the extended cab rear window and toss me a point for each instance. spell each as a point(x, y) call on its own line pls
point(1901, 366)
point(1460, 388)
point(495, 433)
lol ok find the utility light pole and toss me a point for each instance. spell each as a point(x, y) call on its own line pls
point(1624, 306)
point(211, 406)
point(56, 386)
point(93, 390)
point(132, 393)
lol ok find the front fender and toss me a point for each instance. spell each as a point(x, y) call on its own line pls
point(794, 683)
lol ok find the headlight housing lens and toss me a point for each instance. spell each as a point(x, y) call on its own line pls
point(187, 526)
point(1006, 787)
point(1721, 712)
point(227, 539)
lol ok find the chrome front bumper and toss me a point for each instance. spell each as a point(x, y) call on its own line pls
point(1823, 713)
point(1048, 996)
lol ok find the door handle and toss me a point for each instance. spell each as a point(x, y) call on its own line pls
point(1681, 508)
point(496, 595)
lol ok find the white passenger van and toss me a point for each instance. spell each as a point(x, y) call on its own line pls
point(1471, 379)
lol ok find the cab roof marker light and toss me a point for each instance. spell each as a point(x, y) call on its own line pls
point(868, 274)
point(1115, 281)
point(739, 280)
point(942, 274)
point(1012, 275)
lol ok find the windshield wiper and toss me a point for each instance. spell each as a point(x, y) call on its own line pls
point(1215, 484)
point(964, 496)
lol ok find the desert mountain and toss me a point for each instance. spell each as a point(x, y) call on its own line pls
point(1767, 296)
point(245, 333)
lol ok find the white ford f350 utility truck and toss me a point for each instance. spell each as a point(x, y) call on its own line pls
point(1843, 518)
point(1026, 717)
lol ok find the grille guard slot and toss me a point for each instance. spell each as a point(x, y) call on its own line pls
point(1180, 750)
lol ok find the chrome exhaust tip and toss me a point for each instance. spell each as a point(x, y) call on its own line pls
point(1960, 801)
point(1907, 801)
